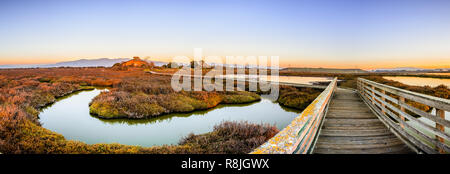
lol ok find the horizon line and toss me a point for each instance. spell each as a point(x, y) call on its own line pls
point(284, 66)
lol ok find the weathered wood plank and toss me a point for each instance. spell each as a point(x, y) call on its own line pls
point(441, 114)
point(357, 139)
point(400, 149)
point(329, 123)
point(350, 116)
point(351, 127)
point(361, 144)
point(362, 122)
point(355, 133)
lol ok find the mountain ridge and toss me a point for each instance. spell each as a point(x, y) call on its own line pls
point(409, 69)
point(100, 62)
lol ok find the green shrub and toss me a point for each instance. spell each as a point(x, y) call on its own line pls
point(105, 110)
point(238, 97)
point(297, 98)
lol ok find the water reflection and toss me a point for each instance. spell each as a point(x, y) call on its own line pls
point(440, 74)
point(169, 117)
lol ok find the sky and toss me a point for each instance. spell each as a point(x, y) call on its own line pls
point(303, 33)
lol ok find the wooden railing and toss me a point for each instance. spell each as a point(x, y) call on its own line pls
point(399, 110)
point(301, 134)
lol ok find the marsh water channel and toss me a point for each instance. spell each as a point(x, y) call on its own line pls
point(420, 81)
point(70, 117)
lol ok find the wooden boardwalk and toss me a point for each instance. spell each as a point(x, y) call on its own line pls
point(350, 127)
point(374, 119)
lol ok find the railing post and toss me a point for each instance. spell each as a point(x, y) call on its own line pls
point(360, 87)
point(440, 113)
point(373, 95)
point(383, 99)
point(357, 84)
point(402, 100)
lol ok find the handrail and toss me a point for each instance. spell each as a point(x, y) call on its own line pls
point(391, 105)
point(301, 134)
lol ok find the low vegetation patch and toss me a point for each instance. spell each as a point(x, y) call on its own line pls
point(298, 98)
point(231, 138)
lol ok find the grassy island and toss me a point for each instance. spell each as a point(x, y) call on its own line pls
point(135, 105)
point(297, 98)
point(151, 96)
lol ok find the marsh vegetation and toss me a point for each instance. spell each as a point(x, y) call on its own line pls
point(24, 92)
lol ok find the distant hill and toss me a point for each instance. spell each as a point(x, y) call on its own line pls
point(409, 69)
point(105, 62)
point(324, 70)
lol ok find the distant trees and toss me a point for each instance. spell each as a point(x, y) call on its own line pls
point(151, 64)
point(197, 64)
point(172, 65)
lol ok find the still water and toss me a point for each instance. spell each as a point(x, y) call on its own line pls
point(70, 117)
point(440, 74)
point(419, 81)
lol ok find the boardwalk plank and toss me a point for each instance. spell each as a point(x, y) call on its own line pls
point(399, 149)
point(355, 133)
point(350, 127)
point(361, 145)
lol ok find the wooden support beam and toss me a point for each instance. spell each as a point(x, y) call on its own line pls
point(440, 113)
point(402, 99)
point(383, 106)
point(373, 94)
